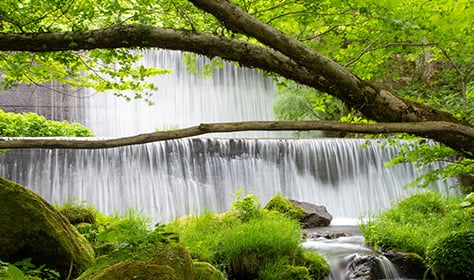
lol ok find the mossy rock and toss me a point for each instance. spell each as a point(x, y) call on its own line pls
point(283, 271)
point(30, 227)
point(167, 258)
point(78, 214)
point(206, 271)
point(283, 205)
point(317, 266)
point(177, 257)
point(136, 270)
point(295, 273)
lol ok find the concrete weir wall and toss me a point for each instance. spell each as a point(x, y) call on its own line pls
point(56, 102)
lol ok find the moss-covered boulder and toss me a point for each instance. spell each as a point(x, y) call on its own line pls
point(30, 227)
point(309, 215)
point(168, 262)
point(317, 266)
point(178, 258)
point(136, 270)
point(206, 271)
point(280, 204)
point(77, 214)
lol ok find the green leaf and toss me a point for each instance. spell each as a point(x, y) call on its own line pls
point(15, 272)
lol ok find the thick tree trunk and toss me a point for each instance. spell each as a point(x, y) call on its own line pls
point(282, 55)
point(95, 143)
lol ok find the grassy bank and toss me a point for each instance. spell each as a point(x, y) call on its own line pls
point(438, 229)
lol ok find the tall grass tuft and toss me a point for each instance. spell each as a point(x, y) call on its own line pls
point(248, 246)
point(246, 241)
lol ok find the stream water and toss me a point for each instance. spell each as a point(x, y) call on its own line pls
point(343, 252)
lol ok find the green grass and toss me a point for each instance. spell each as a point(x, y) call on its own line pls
point(414, 223)
point(246, 241)
point(242, 242)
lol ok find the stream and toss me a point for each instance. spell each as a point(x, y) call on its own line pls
point(347, 254)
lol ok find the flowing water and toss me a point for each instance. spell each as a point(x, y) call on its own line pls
point(344, 253)
point(184, 99)
point(173, 178)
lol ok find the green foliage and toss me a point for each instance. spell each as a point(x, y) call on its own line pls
point(423, 154)
point(24, 269)
point(247, 240)
point(123, 230)
point(468, 202)
point(283, 271)
point(297, 102)
point(414, 223)
point(248, 246)
point(413, 49)
point(120, 238)
point(33, 125)
point(317, 266)
point(284, 206)
point(451, 256)
point(201, 234)
point(206, 271)
point(10, 271)
point(206, 70)
point(247, 207)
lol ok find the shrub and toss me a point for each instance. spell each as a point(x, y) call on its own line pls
point(247, 241)
point(283, 205)
point(412, 224)
point(248, 246)
point(31, 124)
point(452, 256)
point(427, 203)
point(246, 207)
point(201, 234)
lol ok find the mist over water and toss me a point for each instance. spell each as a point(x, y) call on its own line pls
point(169, 179)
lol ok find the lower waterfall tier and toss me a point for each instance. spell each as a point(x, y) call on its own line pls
point(165, 180)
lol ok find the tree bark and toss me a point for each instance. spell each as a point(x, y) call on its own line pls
point(281, 54)
point(97, 143)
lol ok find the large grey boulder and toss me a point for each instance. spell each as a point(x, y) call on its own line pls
point(315, 215)
point(30, 227)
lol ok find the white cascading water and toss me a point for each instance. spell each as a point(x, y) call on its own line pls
point(174, 178)
point(170, 179)
point(184, 99)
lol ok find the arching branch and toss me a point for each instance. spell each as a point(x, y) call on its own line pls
point(97, 143)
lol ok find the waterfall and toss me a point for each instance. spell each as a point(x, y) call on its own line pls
point(169, 179)
point(184, 99)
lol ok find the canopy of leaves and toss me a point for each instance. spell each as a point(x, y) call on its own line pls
point(423, 51)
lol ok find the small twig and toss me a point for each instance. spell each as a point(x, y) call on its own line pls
point(364, 51)
point(70, 270)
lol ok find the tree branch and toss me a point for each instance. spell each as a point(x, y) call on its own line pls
point(293, 60)
point(97, 143)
